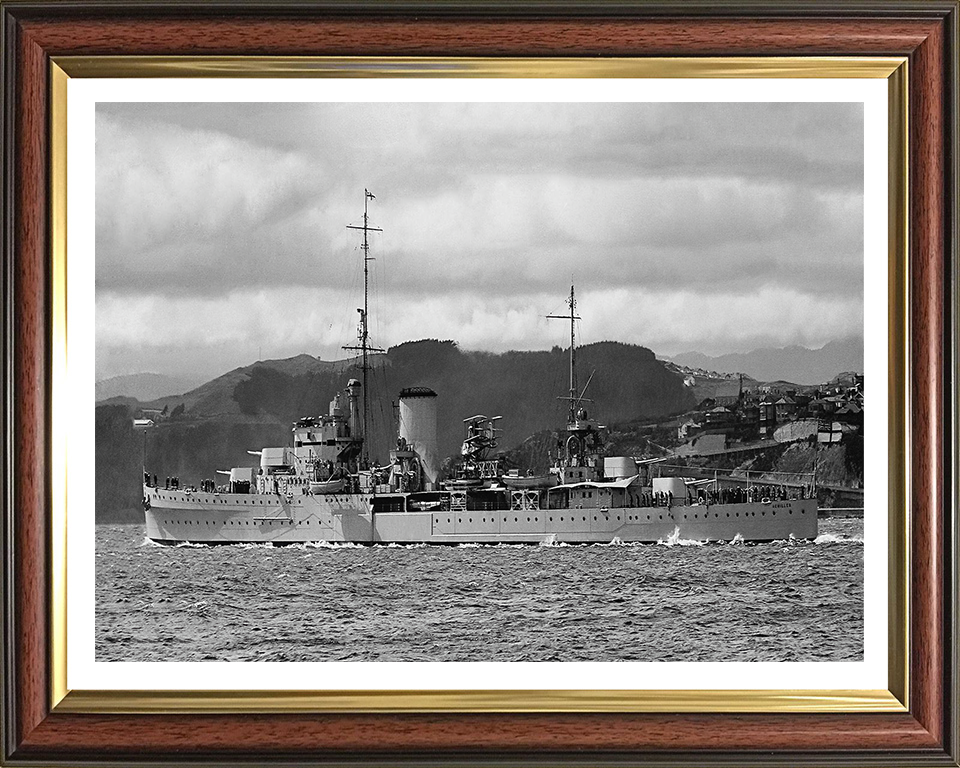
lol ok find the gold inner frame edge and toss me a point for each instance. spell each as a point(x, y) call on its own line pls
point(441, 67)
point(894, 69)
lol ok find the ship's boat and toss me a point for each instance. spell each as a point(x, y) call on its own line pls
point(327, 486)
point(465, 482)
point(538, 481)
point(323, 487)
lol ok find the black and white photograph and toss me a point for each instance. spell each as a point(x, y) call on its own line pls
point(479, 381)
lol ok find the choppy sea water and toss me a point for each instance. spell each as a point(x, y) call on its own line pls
point(675, 601)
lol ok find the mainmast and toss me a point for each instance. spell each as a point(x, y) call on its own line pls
point(364, 347)
point(572, 317)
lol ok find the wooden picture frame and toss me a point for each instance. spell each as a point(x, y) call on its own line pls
point(41, 727)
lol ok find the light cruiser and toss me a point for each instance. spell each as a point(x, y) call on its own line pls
point(296, 495)
point(317, 491)
point(323, 488)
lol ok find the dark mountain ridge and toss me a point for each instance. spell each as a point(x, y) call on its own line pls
point(254, 406)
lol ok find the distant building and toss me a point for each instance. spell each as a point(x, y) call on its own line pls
point(748, 421)
point(719, 417)
point(687, 428)
point(820, 406)
point(786, 408)
point(850, 413)
point(802, 400)
point(768, 417)
point(775, 411)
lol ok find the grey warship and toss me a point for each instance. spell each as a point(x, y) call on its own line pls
point(323, 488)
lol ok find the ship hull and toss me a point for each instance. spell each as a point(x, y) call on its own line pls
point(223, 518)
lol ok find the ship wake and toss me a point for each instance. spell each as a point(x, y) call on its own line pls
point(836, 538)
point(674, 540)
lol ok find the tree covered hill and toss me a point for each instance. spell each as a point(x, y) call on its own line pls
point(523, 387)
point(251, 407)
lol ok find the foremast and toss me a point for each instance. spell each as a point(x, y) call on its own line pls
point(579, 451)
point(363, 335)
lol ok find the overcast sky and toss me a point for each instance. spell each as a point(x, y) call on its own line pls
point(221, 228)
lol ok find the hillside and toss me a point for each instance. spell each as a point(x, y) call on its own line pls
point(795, 363)
point(254, 406)
point(520, 386)
point(215, 397)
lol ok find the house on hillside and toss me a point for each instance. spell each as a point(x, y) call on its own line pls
point(767, 418)
point(688, 427)
point(821, 406)
point(719, 418)
point(786, 408)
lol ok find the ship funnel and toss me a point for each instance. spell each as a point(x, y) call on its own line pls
point(418, 426)
point(353, 396)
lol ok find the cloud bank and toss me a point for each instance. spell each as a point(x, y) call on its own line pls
point(221, 228)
